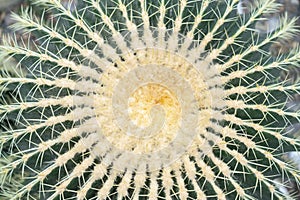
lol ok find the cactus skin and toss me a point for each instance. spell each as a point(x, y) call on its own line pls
point(100, 78)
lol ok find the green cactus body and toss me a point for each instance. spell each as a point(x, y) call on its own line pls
point(140, 99)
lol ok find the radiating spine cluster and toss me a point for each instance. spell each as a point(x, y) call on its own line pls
point(148, 99)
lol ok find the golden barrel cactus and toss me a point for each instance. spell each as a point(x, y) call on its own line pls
point(141, 99)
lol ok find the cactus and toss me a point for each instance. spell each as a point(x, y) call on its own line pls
point(141, 99)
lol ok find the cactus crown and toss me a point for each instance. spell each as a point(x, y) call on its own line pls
point(140, 99)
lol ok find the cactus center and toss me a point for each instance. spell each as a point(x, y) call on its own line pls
point(145, 98)
point(151, 101)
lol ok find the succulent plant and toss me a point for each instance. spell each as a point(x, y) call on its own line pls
point(141, 99)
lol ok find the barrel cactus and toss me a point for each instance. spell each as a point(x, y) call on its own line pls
point(141, 99)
